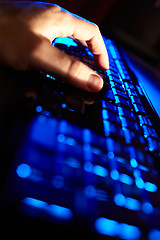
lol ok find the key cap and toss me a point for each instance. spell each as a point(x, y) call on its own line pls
point(129, 86)
point(126, 113)
point(123, 102)
point(110, 116)
point(149, 132)
point(115, 79)
point(119, 93)
point(108, 94)
point(109, 106)
point(117, 86)
point(132, 92)
point(111, 129)
point(127, 123)
point(135, 100)
point(139, 109)
point(144, 121)
point(153, 144)
point(134, 138)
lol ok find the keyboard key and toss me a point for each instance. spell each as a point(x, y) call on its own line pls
point(123, 102)
point(111, 73)
point(115, 147)
point(123, 71)
point(134, 138)
point(109, 106)
point(139, 90)
point(144, 121)
point(139, 109)
point(61, 46)
point(135, 100)
point(153, 145)
point(115, 79)
point(126, 113)
point(149, 132)
point(127, 123)
point(111, 129)
point(132, 92)
point(129, 86)
point(117, 86)
point(119, 93)
point(142, 157)
point(108, 94)
point(110, 116)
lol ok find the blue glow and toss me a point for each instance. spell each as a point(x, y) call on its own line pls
point(114, 174)
point(106, 226)
point(124, 178)
point(136, 173)
point(101, 195)
point(73, 162)
point(43, 131)
point(129, 232)
point(133, 163)
point(151, 187)
point(132, 204)
point(87, 135)
point(65, 40)
point(100, 171)
point(139, 182)
point(110, 155)
point(64, 105)
point(54, 210)
point(96, 151)
point(49, 76)
point(38, 109)
point(70, 141)
point(35, 203)
point(104, 114)
point(60, 212)
point(90, 191)
point(147, 208)
point(61, 138)
point(58, 181)
point(23, 170)
point(63, 126)
point(88, 166)
point(154, 234)
point(114, 229)
point(111, 48)
point(119, 199)
point(144, 168)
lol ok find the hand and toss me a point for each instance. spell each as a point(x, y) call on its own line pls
point(27, 31)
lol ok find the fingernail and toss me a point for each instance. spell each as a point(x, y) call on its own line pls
point(95, 83)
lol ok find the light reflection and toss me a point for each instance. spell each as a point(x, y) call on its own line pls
point(115, 229)
point(23, 170)
point(54, 210)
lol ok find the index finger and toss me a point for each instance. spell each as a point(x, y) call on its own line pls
point(82, 29)
point(85, 30)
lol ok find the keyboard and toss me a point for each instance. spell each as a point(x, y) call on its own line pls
point(89, 162)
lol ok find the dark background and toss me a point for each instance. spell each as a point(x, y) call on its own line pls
point(135, 23)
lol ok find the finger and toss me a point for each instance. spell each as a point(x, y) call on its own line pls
point(53, 61)
point(89, 32)
point(84, 30)
point(72, 25)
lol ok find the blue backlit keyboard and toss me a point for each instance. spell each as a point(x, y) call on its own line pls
point(88, 161)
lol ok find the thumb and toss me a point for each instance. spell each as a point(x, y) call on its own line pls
point(53, 61)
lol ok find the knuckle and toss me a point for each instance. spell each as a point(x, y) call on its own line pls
point(55, 7)
point(96, 28)
point(66, 16)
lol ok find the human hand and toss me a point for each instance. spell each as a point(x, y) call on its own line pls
point(27, 31)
